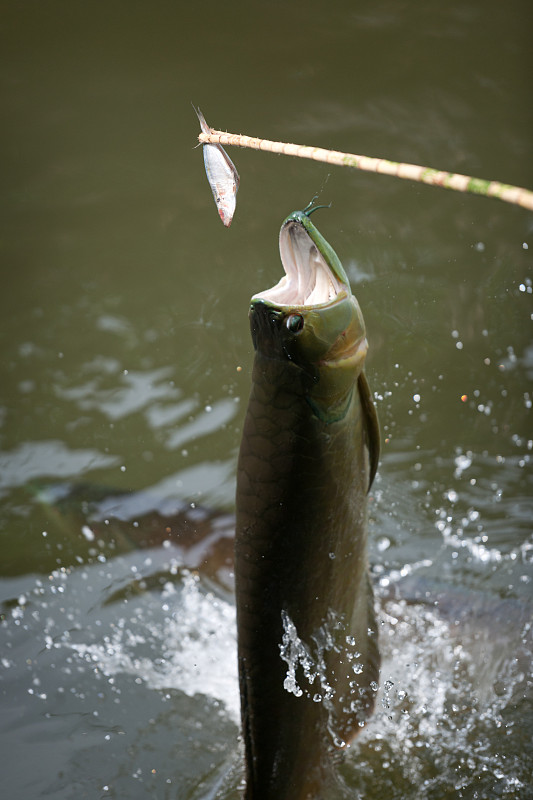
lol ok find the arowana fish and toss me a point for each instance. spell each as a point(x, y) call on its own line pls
point(222, 176)
point(307, 641)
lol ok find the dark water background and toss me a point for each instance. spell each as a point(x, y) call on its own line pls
point(123, 315)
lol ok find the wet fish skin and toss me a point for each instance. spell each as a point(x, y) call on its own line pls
point(222, 175)
point(308, 455)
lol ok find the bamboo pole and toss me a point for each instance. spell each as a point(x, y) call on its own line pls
point(434, 177)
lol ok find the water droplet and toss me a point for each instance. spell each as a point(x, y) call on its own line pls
point(290, 685)
point(462, 462)
point(88, 533)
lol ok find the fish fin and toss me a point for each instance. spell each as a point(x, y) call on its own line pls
point(203, 124)
point(372, 664)
point(371, 425)
point(354, 718)
point(246, 728)
point(373, 654)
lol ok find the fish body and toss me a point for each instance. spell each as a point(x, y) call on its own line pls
point(307, 642)
point(222, 176)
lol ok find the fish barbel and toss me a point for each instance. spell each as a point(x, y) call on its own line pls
point(222, 176)
point(307, 638)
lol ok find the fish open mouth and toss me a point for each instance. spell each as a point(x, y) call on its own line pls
point(308, 279)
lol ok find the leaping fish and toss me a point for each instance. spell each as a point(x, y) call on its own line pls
point(222, 176)
point(306, 628)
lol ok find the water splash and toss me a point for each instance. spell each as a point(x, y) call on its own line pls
point(442, 702)
point(297, 654)
point(195, 646)
point(451, 712)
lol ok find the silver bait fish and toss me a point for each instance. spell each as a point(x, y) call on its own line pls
point(222, 176)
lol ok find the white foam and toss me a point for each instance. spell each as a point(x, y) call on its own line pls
point(197, 647)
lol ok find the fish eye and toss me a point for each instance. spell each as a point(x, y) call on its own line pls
point(294, 322)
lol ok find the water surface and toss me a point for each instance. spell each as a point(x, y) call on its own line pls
point(123, 325)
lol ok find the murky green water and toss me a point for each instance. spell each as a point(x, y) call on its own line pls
point(123, 321)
